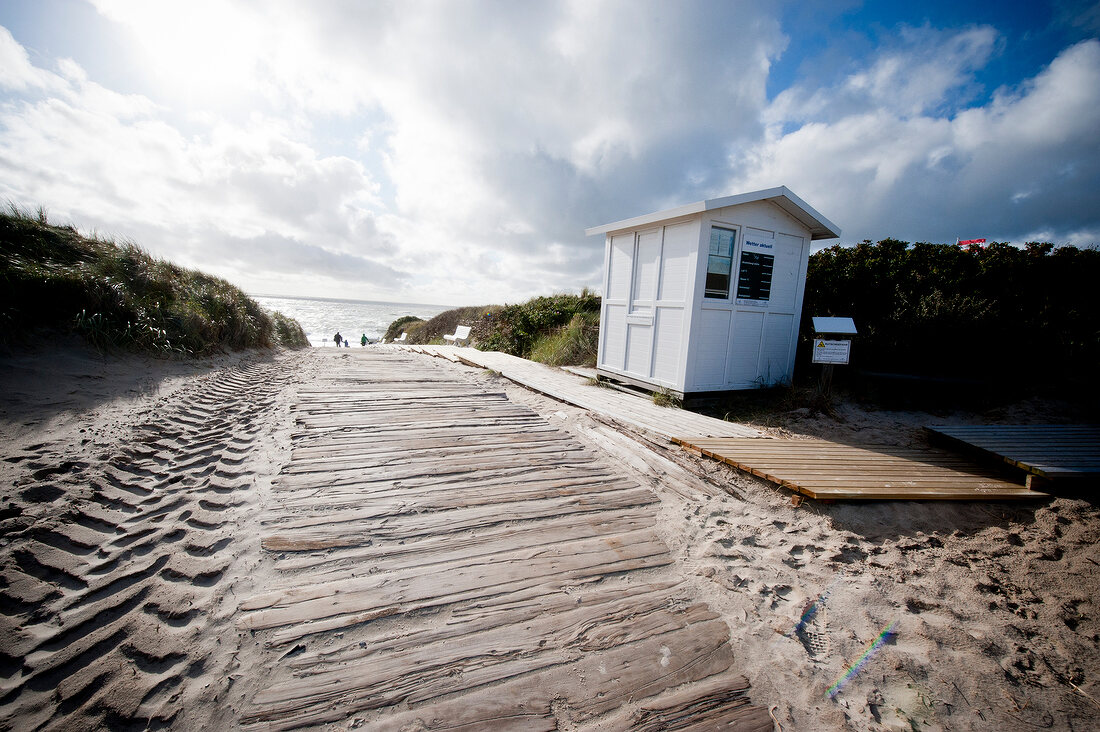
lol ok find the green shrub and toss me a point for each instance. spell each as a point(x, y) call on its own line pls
point(999, 312)
point(399, 326)
point(118, 296)
point(515, 329)
point(548, 322)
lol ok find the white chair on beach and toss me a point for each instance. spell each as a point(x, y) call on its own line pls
point(401, 339)
point(460, 336)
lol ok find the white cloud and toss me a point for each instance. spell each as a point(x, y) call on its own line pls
point(923, 70)
point(455, 151)
point(17, 73)
point(497, 131)
point(237, 200)
point(508, 119)
point(1026, 163)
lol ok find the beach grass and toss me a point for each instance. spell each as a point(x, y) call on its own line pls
point(573, 344)
point(665, 398)
point(118, 296)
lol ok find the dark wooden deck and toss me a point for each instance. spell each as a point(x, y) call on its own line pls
point(443, 558)
point(823, 469)
point(1052, 452)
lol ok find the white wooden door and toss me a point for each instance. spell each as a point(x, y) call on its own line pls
point(765, 319)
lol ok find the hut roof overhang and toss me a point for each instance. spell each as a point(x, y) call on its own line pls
point(819, 226)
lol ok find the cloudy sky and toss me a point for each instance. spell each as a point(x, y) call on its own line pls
point(453, 152)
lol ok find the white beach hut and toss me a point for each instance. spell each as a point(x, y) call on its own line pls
point(707, 297)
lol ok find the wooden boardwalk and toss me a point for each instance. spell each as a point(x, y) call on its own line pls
point(446, 559)
point(823, 469)
point(816, 468)
point(1053, 452)
point(634, 410)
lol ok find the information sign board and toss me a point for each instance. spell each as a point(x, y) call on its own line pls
point(826, 351)
point(754, 277)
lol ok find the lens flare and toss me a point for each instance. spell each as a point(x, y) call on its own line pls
point(886, 634)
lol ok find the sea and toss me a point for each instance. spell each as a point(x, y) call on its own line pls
point(322, 318)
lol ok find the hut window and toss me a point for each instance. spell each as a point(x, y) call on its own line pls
point(720, 262)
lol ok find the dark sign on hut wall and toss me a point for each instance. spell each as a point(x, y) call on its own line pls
point(754, 277)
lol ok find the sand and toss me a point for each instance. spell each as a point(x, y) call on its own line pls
point(129, 489)
point(135, 490)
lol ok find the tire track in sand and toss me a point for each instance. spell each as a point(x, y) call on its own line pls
point(113, 568)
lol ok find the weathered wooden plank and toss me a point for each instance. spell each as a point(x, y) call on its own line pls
point(386, 398)
point(582, 551)
point(717, 703)
point(600, 682)
point(359, 444)
point(413, 402)
point(509, 600)
point(501, 478)
point(435, 427)
point(319, 529)
point(398, 472)
point(428, 671)
point(470, 457)
point(411, 526)
point(480, 710)
point(349, 515)
point(410, 411)
point(449, 547)
point(558, 611)
point(369, 485)
point(349, 418)
point(415, 589)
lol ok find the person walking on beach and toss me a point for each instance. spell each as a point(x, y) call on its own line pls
point(338, 338)
point(363, 340)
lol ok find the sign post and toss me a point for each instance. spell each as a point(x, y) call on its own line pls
point(829, 349)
